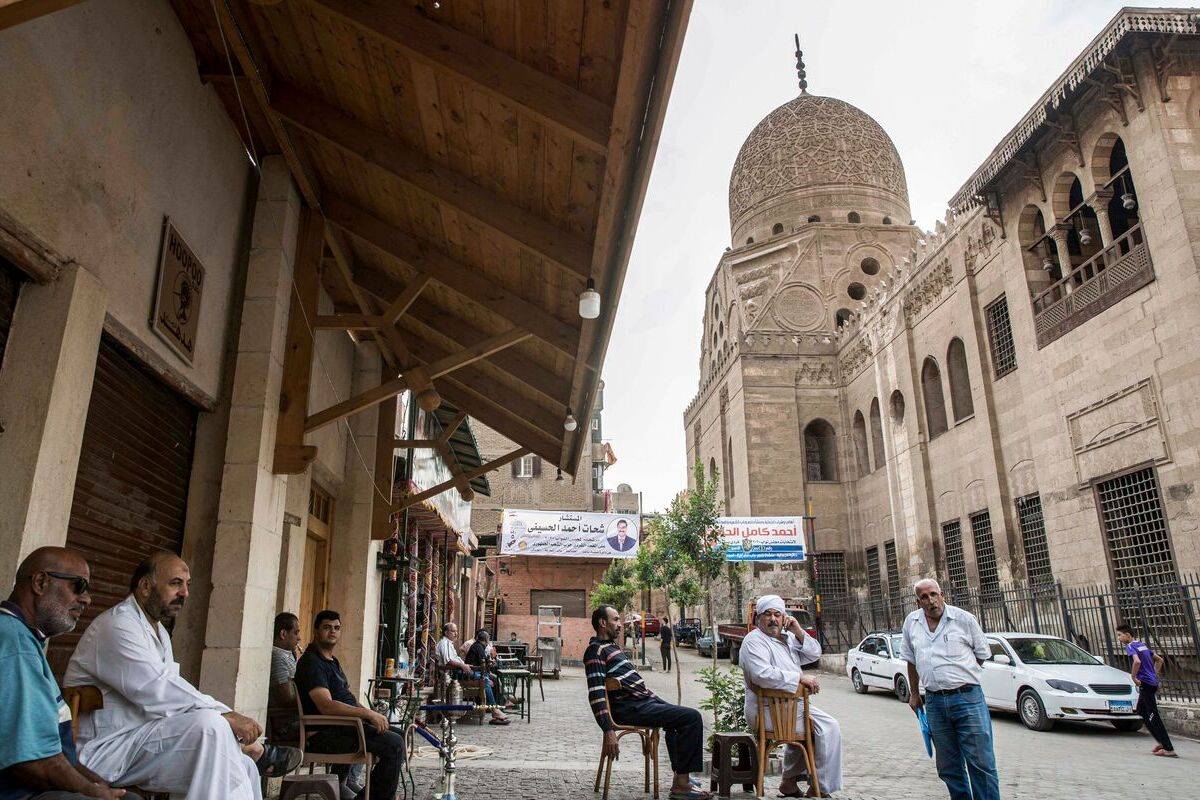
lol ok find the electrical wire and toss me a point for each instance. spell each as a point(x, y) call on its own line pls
point(248, 146)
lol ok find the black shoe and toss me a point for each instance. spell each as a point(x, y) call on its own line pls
point(277, 761)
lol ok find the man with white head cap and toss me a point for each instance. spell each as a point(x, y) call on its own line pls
point(771, 658)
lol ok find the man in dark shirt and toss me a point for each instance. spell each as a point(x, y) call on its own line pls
point(634, 704)
point(324, 689)
point(665, 635)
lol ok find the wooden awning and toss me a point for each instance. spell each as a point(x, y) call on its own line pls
point(474, 163)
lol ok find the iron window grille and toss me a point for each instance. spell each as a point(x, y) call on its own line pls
point(1033, 540)
point(893, 569)
point(999, 327)
point(985, 555)
point(831, 574)
point(956, 563)
point(874, 589)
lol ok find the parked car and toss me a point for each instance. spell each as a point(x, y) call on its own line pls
point(876, 664)
point(1042, 678)
point(653, 626)
point(1045, 679)
point(686, 630)
point(704, 644)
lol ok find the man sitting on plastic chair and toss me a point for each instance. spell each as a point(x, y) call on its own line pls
point(634, 704)
point(771, 658)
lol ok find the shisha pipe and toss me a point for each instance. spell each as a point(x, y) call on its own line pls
point(447, 747)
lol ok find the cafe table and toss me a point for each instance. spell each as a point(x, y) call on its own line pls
point(510, 678)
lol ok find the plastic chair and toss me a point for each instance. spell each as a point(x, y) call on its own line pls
point(649, 737)
point(777, 726)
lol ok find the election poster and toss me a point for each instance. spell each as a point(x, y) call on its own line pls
point(569, 534)
point(769, 539)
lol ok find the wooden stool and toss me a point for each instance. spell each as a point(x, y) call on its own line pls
point(734, 759)
point(298, 786)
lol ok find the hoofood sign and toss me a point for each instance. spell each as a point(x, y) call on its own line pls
point(569, 534)
point(772, 539)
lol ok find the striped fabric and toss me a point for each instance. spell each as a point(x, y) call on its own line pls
point(603, 659)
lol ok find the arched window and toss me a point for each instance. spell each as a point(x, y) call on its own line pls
point(960, 381)
point(777, 228)
point(860, 443)
point(853, 217)
point(897, 408)
point(887, 220)
point(749, 240)
point(877, 435)
point(870, 266)
point(935, 401)
point(729, 466)
point(841, 317)
point(820, 451)
point(814, 218)
point(856, 291)
point(712, 468)
point(1038, 252)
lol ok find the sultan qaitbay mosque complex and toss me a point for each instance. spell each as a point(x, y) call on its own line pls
point(1008, 399)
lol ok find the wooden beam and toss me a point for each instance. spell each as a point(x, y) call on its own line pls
point(553, 102)
point(384, 473)
point(425, 319)
point(393, 387)
point(343, 258)
point(462, 279)
point(449, 430)
point(345, 322)
point(292, 456)
point(504, 417)
point(400, 444)
point(524, 228)
point(466, 477)
point(395, 310)
point(258, 81)
point(15, 12)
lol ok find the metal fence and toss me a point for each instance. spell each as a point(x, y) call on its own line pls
point(1164, 615)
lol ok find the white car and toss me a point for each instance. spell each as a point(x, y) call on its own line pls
point(876, 664)
point(1045, 679)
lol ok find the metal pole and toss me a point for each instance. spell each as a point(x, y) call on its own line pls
point(1108, 645)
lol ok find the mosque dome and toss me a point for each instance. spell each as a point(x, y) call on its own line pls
point(815, 157)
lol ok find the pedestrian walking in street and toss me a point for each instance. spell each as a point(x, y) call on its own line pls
point(1144, 669)
point(945, 649)
point(634, 704)
point(665, 635)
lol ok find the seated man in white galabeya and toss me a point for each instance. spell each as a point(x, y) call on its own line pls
point(155, 729)
point(772, 657)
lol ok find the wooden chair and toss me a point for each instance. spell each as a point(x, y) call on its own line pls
point(649, 737)
point(85, 700)
point(310, 721)
point(472, 690)
point(777, 726)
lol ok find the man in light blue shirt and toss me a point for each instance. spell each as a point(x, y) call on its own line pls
point(945, 648)
point(37, 750)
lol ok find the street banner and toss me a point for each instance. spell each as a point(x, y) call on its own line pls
point(569, 534)
point(770, 539)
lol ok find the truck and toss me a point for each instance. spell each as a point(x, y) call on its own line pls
point(734, 632)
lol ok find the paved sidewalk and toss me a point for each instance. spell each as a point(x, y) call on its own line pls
point(555, 757)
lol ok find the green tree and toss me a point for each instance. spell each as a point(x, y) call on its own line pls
point(617, 586)
point(658, 567)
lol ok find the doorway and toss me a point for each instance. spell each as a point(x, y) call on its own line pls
point(313, 584)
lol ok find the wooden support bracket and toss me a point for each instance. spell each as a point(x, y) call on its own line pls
point(464, 478)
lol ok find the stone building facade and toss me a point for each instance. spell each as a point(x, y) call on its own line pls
point(1006, 398)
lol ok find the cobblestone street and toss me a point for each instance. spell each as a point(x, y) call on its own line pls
point(555, 755)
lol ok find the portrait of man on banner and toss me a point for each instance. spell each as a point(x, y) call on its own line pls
point(620, 538)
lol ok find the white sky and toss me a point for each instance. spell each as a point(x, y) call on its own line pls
point(946, 80)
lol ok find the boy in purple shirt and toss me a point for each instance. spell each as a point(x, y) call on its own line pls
point(1144, 671)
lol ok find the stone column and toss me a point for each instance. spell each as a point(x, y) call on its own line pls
point(1059, 234)
point(45, 387)
point(1099, 204)
point(237, 653)
point(353, 577)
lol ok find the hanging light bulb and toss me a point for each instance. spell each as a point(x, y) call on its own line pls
point(558, 478)
point(1085, 236)
point(589, 301)
point(1128, 201)
point(570, 423)
point(1047, 264)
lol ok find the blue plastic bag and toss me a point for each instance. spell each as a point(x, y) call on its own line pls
point(926, 734)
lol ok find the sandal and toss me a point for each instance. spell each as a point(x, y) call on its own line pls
point(501, 721)
point(1167, 754)
point(277, 761)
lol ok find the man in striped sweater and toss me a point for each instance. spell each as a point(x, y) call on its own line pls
point(634, 704)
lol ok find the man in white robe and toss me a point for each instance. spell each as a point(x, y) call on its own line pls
point(156, 730)
point(771, 658)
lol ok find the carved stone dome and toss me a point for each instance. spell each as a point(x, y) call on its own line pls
point(823, 152)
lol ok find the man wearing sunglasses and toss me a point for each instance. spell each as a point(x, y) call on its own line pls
point(156, 730)
point(37, 751)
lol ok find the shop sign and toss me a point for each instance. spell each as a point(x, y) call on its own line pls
point(769, 539)
point(569, 534)
point(176, 316)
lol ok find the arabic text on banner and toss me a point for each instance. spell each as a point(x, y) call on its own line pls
point(770, 539)
point(569, 534)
